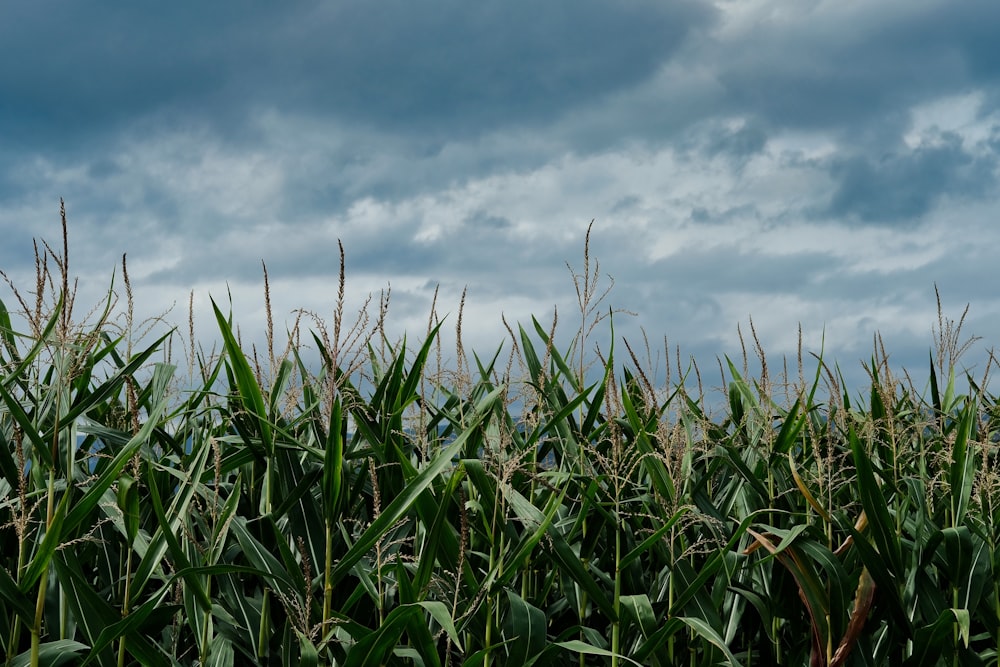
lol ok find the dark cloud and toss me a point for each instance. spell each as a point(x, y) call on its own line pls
point(993, 141)
point(901, 187)
point(444, 66)
point(16, 249)
point(459, 65)
point(703, 216)
point(866, 70)
point(67, 70)
point(487, 222)
point(742, 142)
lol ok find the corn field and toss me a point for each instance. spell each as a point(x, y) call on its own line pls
point(353, 500)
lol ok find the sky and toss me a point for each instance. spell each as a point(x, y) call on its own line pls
point(804, 163)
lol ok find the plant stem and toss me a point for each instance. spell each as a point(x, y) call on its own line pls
point(616, 624)
point(125, 604)
point(327, 582)
point(36, 629)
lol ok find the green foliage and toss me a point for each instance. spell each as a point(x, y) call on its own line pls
point(375, 509)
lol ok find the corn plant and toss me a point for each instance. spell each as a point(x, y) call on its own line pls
point(355, 500)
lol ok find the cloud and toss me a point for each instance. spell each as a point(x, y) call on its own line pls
point(439, 69)
point(902, 187)
point(741, 142)
point(796, 161)
point(845, 66)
